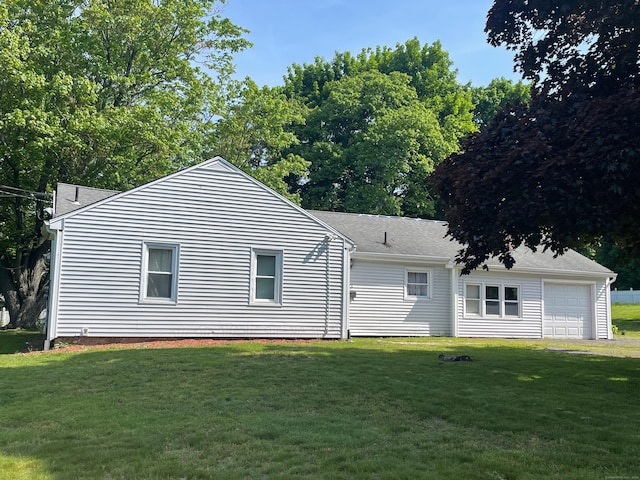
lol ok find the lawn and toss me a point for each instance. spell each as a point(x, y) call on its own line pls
point(16, 341)
point(626, 316)
point(369, 408)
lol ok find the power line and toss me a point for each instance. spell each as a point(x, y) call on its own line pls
point(5, 194)
point(22, 190)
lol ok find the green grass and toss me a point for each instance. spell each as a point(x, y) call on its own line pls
point(384, 408)
point(16, 341)
point(626, 316)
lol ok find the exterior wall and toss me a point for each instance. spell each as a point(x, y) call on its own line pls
point(529, 325)
point(216, 216)
point(380, 308)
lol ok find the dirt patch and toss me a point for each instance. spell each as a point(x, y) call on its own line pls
point(79, 344)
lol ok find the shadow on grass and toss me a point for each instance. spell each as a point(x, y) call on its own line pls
point(627, 325)
point(20, 341)
point(340, 410)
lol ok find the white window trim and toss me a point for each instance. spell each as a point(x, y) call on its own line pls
point(260, 302)
point(501, 299)
point(175, 262)
point(429, 273)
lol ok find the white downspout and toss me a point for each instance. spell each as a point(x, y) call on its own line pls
point(608, 300)
point(54, 282)
point(453, 274)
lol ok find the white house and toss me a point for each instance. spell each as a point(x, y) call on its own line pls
point(205, 252)
point(404, 282)
point(211, 252)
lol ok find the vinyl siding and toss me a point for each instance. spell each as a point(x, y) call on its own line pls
point(528, 325)
point(216, 216)
point(380, 307)
point(602, 311)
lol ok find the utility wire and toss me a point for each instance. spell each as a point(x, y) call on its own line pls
point(22, 190)
point(28, 197)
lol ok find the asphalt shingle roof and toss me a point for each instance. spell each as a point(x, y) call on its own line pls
point(426, 238)
point(72, 197)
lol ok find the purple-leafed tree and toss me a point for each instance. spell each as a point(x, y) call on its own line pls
point(564, 170)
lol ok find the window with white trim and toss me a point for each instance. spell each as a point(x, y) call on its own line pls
point(266, 277)
point(160, 272)
point(472, 300)
point(417, 283)
point(492, 300)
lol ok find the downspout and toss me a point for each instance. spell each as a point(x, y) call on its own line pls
point(608, 300)
point(453, 275)
point(327, 308)
point(346, 289)
point(54, 281)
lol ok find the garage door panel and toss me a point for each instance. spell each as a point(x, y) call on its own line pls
point(567, 311)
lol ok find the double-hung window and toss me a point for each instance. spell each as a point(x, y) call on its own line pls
point(417, 284)
point(266, 277)
point(160, 272)
point(492, 300)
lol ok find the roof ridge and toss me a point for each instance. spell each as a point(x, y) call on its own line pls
point(373, 215)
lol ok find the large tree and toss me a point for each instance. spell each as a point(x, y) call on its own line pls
point(102, 92)
point(254, 133)
point(491, 99)
point(377, 124)
point(563, 171)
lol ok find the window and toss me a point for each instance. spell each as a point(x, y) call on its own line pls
point(492, 300)
point(472, 302)
point(511, 302)
point(266, 277)
point(160, 272)
point(417, 283)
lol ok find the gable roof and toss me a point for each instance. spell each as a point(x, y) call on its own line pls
point(76, 199)
point(426, 239)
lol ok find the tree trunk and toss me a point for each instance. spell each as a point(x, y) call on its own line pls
point(24, 288)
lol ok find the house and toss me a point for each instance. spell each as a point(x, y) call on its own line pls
point(205, 252)
point(211, 252)
point(404, 282)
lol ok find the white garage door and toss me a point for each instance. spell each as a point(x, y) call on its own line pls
point(567, 311)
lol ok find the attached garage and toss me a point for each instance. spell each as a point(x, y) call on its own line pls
point(568, 311)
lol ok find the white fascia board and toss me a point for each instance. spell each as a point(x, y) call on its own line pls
point(387, 257)
point(558, 273)
point(54, 225)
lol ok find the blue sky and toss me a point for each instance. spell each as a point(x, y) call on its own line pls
point(296, 31)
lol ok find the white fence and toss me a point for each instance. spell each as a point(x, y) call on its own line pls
point(625, 296)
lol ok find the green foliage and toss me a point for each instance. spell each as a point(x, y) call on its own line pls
point(377, 124)
point(103, 93)
point(494, 97)
point(382, 408)
point(255, 134)
point(617, 259)
point(562, 171)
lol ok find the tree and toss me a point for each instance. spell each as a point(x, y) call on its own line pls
point(563, 171)
point(620, 261)
point(254, 133)
point(494, 97)
point(105, 93)
point(377, 124)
